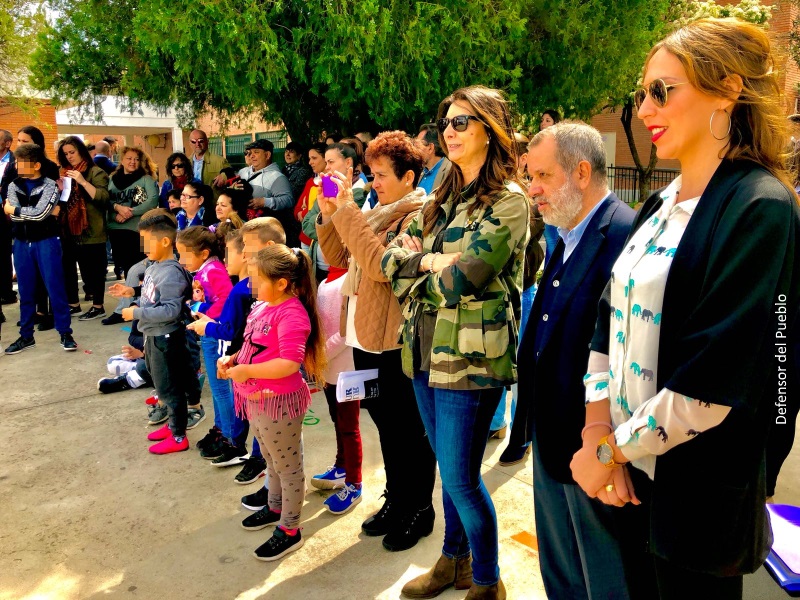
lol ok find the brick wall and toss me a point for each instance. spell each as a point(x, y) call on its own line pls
point(40, 114)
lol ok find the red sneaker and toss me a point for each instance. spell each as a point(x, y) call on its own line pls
point(152, 400)
point(159, 434)
point(169, 445)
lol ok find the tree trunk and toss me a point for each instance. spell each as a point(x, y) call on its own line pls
point(645, 173)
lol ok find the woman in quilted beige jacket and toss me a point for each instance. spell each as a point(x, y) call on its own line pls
point(370, 322)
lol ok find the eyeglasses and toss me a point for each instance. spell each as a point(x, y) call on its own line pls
point(188, 196)
point(460, 123)
point(657, 90)
point(200, 141)
point(177, 166)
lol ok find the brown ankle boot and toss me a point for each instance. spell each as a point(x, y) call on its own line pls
point(487, 592)
point(448, 572)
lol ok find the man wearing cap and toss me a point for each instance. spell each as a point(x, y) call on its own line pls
point(272, 192)
point(296, 170)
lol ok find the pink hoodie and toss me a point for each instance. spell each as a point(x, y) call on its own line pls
point(216, 284)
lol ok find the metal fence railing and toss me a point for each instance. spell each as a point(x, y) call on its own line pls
point(624, 181)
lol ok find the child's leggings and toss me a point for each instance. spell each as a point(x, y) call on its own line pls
point(282, 444)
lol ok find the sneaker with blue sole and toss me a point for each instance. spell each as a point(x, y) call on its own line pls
point(332, 479)
point(344, 500)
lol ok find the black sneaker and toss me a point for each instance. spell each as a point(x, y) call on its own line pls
point(113, 319)
point(212, 436)
point(411, 527)
point(109, 385)
point(213, 450)
point(263, 518)
point(67, 343)
point(279, 545)
point(92, 313)
point(46, 323)
point(252, 470)
point(231, 455)
point(74, 310)
point(20, 345)
point(381, 522)
point(256, 501)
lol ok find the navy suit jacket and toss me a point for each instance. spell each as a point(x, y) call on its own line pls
point(551, 390)
point(105, 163)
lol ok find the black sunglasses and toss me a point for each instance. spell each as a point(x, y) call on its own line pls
point(460, 123)
point(178, 166)
point(658, 90)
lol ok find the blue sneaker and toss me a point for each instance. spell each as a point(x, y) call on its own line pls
point(332, 479)
point(344, 500)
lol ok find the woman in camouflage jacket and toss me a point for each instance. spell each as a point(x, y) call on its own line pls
point(458, 268)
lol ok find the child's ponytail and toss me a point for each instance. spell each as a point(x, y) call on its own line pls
point(281, 262)
point(198, 238)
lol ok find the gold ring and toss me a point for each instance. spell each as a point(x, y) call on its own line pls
point(610, 487)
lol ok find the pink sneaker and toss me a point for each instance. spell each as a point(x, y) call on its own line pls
point(169, 445)
point(159, 434)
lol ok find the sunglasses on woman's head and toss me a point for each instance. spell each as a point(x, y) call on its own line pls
point(460, 123)
point(658, 90)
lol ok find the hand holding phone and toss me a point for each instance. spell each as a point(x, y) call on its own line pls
point(329, 187)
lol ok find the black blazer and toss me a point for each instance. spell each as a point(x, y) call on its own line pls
point(551, 390)
point(721, 315)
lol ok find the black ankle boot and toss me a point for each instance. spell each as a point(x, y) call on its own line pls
point(381, 522)
point(411, 527)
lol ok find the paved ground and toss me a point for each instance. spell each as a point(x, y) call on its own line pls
point(87, 512)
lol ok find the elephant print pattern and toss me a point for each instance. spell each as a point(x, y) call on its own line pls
point(648, 419)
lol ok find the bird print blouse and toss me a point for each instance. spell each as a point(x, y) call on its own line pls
point(647, 421)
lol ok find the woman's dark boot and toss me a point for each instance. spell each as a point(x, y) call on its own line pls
point(448, 572)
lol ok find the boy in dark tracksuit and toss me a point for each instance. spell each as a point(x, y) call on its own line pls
point(166, 288)
point(32, 204)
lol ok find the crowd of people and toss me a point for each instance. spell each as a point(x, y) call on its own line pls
point(643, 372)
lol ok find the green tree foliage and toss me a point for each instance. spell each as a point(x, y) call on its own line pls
point(345, 64)
point(20, 21)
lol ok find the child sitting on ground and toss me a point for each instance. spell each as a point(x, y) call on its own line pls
point(166, 288)
point(283, 331)
point(129, 369)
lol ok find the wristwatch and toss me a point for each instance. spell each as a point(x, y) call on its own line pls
point(605, 454)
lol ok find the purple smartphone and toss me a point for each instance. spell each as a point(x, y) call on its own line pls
point(329, 187)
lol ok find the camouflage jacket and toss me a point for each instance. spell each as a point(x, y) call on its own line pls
point(476, 301)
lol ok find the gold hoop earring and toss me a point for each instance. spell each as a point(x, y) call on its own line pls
point(711, 124)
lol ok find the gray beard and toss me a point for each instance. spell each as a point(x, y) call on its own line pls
point(565, 206)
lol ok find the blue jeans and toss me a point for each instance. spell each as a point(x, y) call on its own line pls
point(221, 392)
point(499, 419)
point(42, 258)
point(457, 422)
